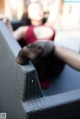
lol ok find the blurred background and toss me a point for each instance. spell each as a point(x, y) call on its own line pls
point(15, 8)
point(67, 10)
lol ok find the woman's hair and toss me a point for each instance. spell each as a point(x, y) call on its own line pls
point(25, 20)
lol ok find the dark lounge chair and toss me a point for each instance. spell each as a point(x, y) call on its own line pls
point(21, 96)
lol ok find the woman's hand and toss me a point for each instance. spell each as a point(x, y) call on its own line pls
point(7, 22)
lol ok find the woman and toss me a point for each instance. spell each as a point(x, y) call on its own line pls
point(40, 34)
point(37, 28)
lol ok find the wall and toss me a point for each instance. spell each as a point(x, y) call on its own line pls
point(2, 6)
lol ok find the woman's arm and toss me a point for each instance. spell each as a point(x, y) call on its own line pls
point(55, 13)
point(7, 22)
point(68, 56)
point(19, 33)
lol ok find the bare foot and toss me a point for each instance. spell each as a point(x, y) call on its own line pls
point(31, 51)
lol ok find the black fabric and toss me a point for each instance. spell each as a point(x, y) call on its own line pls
point(50, 66)
point(16, 24)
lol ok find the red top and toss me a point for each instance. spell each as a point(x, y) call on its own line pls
point(30, 36)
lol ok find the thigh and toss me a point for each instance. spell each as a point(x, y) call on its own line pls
point(49, 66)
point(54, 66)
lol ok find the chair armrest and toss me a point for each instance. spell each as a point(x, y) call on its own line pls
point(65, 105)
point(25, 77)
